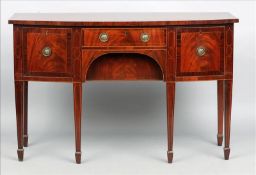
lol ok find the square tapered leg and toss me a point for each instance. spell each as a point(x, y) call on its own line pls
point(19, 101)
point(228, 107)
point(170, 93)
point(220, 93)
point(77, 92)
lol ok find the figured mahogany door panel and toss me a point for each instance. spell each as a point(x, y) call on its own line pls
point(47, 51)
point(200, 51)
point(107, 37)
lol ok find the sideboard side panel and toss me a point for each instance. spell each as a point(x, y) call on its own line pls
point(229, 40)
point(17, 47)
point(171, 55)
point(77, 54)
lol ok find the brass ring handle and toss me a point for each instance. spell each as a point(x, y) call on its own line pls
point(47, 51)
point(103, 37)
point(144, 37)
point(201, 51)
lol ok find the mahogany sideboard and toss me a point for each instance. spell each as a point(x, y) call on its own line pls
point(169, 47)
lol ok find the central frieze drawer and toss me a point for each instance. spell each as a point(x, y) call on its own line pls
point(102, 37)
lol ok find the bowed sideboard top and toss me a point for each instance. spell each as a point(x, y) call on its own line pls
point(121, 19)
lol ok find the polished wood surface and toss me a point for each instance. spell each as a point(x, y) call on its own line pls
point(188, 60)
point(119, 66)
point(178, 47)
point(122, 19)
point(170, 93)
point(77, 88)
point(220, 101)
point(228, 105)
point(18, 61)
point(153, 56)
point(124, 37)
point(228, 65)
point(19, 99)
point(58, 63)
point(25, 112)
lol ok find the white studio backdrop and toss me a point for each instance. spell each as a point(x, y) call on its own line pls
point(132, 108)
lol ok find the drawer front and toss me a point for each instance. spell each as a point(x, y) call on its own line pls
point(200, 51)
point(102, 37)
point(47, 51)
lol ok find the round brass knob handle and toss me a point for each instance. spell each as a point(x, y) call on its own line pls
point(103, 37)
point(47, 51)
point(201, 51)
point(144, 37)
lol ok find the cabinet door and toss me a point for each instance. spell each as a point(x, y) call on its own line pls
point(200, 51)
point(47, 51)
